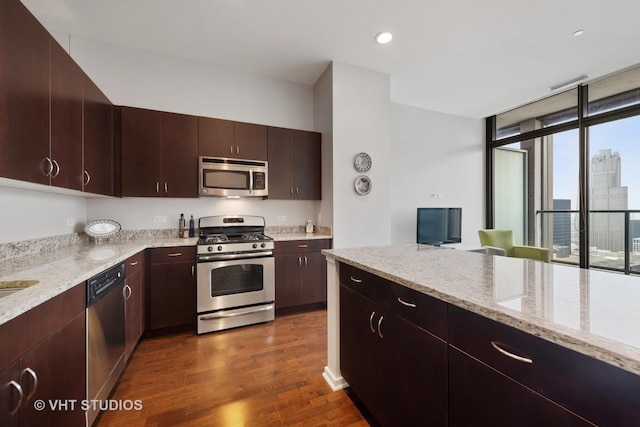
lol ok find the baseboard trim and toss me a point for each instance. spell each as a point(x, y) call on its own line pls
point(335, 383)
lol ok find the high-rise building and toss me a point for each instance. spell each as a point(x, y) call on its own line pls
point(606, 193)
point(562, 228)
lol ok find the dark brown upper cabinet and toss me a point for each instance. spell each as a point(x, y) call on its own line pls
point(159, 153)
point(98, 172)
point(24, 95)
point(66, 120)
point(225, 138)
point(50, 111)
point(294, 164)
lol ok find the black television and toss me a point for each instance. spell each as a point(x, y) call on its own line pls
point(437, 226)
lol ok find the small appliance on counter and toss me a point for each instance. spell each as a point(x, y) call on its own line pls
point(309, 227)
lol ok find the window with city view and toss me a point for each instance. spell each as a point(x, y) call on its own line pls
point(572, 183)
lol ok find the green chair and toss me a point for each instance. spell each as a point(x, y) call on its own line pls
point(502, 241)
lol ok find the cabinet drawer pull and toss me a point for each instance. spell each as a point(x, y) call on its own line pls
point(20, 397)
point(57, 167)
point(134, 263)
point(373, 313)
point(511, 355)
point(355, 279)
point(407, 304)
point(174, 254)
point(380, 327)
point(303, 246)
point(35, 382)
point(50, 164)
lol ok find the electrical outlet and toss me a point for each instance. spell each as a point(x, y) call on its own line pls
point(433, 195)
point(70, 221)
point(282, 218)
point(160, 218)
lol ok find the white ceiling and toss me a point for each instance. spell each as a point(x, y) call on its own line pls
point(465, 57)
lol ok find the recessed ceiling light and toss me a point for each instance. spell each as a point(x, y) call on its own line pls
point(578, 33)
point(383, 37)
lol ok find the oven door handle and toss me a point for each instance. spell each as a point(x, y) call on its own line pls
point(237, 313)
point(222, 257)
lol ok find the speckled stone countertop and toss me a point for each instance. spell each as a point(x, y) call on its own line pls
point(58, 269)
point(62, 269)
point(593, 312)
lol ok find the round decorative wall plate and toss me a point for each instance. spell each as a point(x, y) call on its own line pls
point(362, 162)
point(101, 228)
point(363, 185)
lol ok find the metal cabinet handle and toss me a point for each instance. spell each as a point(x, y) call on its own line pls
point(20, 396)
point(48, 160)
point(511, 355)
point(237, 149)
point(57, 167)
point(379, 327)
point(133, 263)
point(157, 187)
point(125, 294)
point(297, 192)
point(299, 261)
point(306, 261)
point(193, 270)
point(166, 187)
point(373, 313)
point(303, 246)
point(174, 254)
point(231, 150)
point(88, 180)
point(35, 382)
point(291, 189)
point(355, 279)
point(408, 304)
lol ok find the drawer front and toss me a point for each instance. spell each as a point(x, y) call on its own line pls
point(422, 310)
point(297, 246)
point(365, 283)
point(173, 254)
point(134, 263)
point(597, 391)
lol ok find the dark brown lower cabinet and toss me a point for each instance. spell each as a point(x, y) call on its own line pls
point(301, 272)
point(134, 304)
point(172, 287)
point(482, 396)
point(398, 370)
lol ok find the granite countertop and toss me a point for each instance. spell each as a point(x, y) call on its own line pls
point(56, 271)
point(595, 313)
point(282, 237)
point(64, 268)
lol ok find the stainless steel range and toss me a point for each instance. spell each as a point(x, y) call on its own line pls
point(236, 273)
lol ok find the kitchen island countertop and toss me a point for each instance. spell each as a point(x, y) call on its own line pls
point(593, 312)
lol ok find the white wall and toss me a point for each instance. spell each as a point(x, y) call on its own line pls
point(361, 123)
point(27, 214)
point(435, 153)
point(323, 123)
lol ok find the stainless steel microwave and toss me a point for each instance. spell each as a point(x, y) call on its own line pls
point(233, 177)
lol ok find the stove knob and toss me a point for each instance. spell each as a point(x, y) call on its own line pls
point(263, 245)
point(255, 245)
point(210, 248)
point(219, 248)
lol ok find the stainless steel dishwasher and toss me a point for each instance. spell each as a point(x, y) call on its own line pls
point(105, 336)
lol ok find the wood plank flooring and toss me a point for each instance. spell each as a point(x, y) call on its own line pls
point(261, 375)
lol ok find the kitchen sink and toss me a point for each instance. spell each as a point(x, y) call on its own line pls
point(8, 287)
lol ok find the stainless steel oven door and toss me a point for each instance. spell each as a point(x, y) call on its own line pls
point(235, 283)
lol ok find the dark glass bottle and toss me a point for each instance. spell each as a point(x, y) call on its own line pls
point(181, 226)
point(192, 227)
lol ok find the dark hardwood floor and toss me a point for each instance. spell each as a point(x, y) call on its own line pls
point(261, 375)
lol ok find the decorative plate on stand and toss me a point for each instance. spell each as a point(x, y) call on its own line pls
point(102, 228)
point(362, 162)
point(363, 185)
